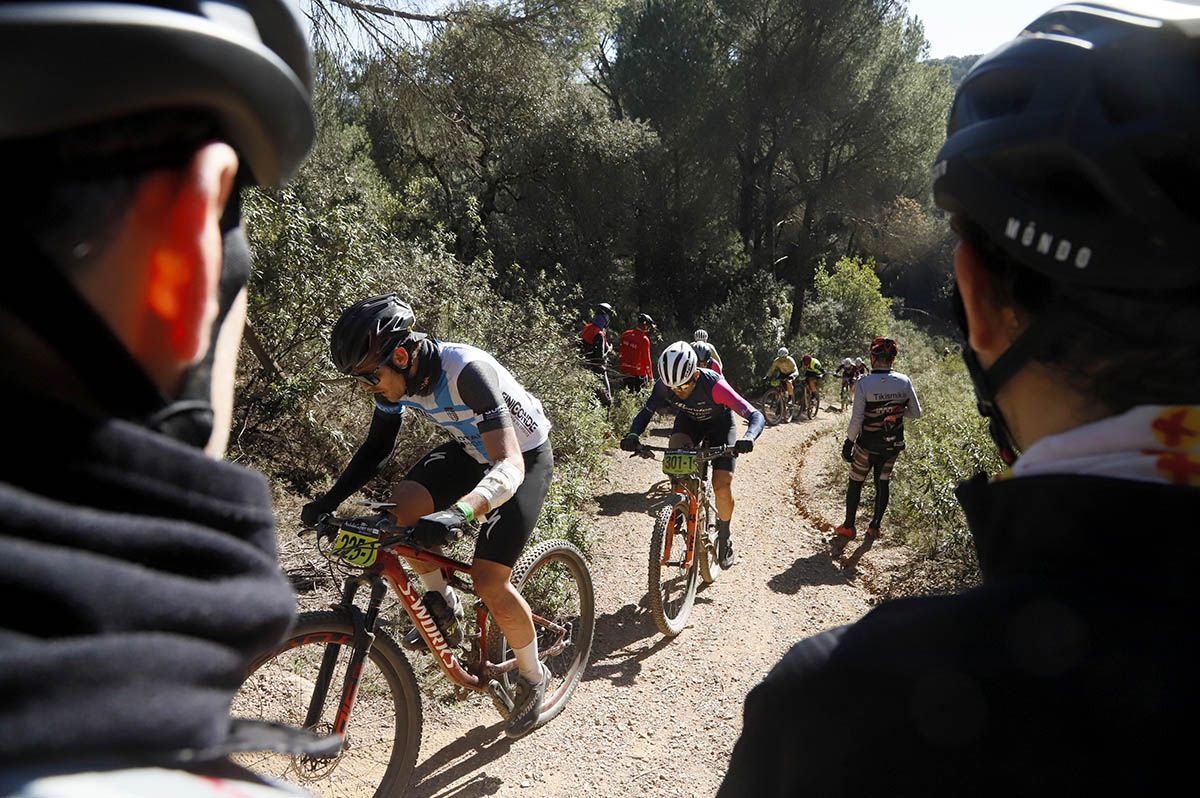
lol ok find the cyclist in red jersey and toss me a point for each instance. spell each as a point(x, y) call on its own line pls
point(636, 363)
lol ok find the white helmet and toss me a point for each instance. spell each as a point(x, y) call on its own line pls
point(858, 361)
point(700, 335)
point(847, 361)
point(782, 352)
point(677, 364)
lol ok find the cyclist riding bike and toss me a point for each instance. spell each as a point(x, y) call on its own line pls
point(784, 366)
point(813, 371)
point(496, 469)
point(848, 372)
point(706, 354)
point(875, 436)
point(636, 363)
point(861, 367)
point(704, 403)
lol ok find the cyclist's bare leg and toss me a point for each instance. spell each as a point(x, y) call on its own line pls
point(507, 606)
point(680, 440)
point(413, 500)
point(723, 491)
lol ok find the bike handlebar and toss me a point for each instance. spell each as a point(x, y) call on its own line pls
point(706, 453)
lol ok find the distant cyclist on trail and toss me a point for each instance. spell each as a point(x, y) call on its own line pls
point(497, 467)
point(704, 403)
point(784, 366)
point(875, 437)
point(637, 365)
point(593, 343)
point(706, 354)
point(813, 371)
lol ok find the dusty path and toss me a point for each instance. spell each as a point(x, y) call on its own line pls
point(657, 717)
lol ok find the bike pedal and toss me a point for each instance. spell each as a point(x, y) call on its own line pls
point(500, 694)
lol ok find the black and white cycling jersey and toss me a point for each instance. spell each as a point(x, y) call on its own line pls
point(882, 400)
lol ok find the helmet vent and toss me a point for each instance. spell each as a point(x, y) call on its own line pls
point(996, 94)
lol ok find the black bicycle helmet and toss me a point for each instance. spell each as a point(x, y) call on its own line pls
point(644, 318)
point(246, 62)
point(606, 309)
point(1076, 147)
point(369, 331)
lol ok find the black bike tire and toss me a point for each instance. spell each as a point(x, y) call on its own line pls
point(814, 405)
point(401, 682)
point(669, 624)
point(771, 407)
point(710, 569)
point(582, 632)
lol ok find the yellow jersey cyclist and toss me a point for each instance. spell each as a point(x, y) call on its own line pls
point(813, 371)
point(784, 366)
point(497, 464)
point(704, 405)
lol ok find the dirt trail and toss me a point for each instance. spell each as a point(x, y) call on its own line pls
point(657, 717)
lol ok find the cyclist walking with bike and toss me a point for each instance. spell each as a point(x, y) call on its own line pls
point(637, 366)
point(704, 403)
point(497, 467)
point(875, 437)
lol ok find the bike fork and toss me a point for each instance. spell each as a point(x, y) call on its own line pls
point(364, 636)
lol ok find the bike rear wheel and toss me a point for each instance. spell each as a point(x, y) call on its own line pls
point(383, 735)
point(672, 585)
point(554, 580)
point(814, 404)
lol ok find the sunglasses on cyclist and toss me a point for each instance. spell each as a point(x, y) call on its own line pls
point(368, 379)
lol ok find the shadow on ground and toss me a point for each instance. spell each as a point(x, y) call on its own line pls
point(470, 753)
point(814, 569)
point(618, 651)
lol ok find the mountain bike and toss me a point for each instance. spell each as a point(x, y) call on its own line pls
point(683, 545)
point(812, 399)
point(847, 385)
point(777, 405)
point(341, 672)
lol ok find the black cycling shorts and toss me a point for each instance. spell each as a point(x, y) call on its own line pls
point(449, 473)
point(714, 432)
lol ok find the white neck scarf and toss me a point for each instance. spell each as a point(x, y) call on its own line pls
point(1150, 443)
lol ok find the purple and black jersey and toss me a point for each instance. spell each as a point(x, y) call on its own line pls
point(712, 399)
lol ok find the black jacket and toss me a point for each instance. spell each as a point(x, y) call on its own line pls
point(138, 579)
point(1069, 671)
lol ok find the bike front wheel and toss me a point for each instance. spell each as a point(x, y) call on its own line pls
point(773, 407)
point(814, 405)
point(383, 734)
point(673, 580)
point(554, 580)
point(710, 567)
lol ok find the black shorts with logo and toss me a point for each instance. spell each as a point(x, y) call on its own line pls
point(449, 473)
point(717, 431)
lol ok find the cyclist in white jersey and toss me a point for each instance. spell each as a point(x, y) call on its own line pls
point(875, 437)
point(497, 468)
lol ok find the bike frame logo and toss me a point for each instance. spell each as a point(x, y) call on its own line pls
point(421, 613)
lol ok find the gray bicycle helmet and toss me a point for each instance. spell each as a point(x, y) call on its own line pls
point(369, 331)
point(247, 63)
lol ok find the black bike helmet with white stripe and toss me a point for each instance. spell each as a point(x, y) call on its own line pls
point(677, 364)
point(1074, 150)
point(244, 62)
point(369, 331)
point(1075, 147)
